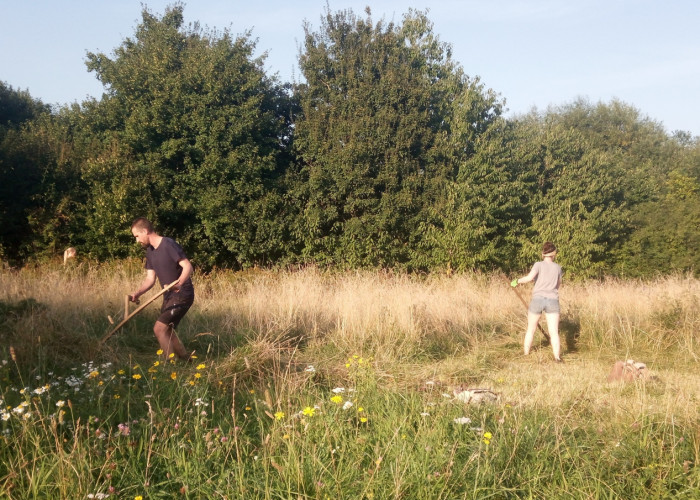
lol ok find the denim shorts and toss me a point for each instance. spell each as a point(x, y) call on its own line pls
point(539, 305)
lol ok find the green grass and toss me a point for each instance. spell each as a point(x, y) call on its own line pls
point(312, 385)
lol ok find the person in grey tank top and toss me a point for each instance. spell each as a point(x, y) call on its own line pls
point(547, 276)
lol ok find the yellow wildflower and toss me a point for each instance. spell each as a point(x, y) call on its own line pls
point(308, 411)
point(173, 375)
point(337, 399)
point(279, 415)
point(136, 376)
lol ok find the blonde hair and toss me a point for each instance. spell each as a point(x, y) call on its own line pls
point(69, 253)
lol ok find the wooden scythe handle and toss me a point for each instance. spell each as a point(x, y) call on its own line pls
point(138, 310)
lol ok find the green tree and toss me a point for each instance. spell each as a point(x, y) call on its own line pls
point(18, 107)
point(621, 162)
point(192, 135)
point(479, 224)
point(574, 194)
point(57, 220)
point(23, 155)
point(666, 236)
point(636, 145)
point(379, 136)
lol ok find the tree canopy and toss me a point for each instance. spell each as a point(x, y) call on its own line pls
point(191, 132)
point(386, 118)
point(387, 154)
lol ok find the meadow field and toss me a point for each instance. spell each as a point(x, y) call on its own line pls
point(315, 384)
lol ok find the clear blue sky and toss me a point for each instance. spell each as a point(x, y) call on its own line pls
point(533, 52)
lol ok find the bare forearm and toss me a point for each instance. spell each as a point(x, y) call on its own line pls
point(528, 278)
point(186, 271)
point(145, 286)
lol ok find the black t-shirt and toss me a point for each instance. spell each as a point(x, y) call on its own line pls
point(164, 261)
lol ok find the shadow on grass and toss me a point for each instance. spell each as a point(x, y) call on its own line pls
point(14, 310)
point(569, 331)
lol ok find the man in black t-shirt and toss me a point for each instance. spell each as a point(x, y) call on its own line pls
point(166, 261)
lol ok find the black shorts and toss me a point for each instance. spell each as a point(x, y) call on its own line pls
point(175, 306)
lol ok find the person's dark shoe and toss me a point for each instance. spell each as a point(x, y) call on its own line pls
point(558, 360)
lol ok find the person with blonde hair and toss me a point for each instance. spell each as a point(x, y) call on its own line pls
point(69, 253)
point(165, 260)
point(547, 276)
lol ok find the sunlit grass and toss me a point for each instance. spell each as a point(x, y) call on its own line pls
point(320, 385)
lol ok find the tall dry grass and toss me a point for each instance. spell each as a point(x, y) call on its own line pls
point(559, 430)
point(467, 329)
point(393, 315)
point(653, 316)
point(402, 314)
point(463, 329)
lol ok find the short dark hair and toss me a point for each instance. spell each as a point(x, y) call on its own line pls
point(143, 223)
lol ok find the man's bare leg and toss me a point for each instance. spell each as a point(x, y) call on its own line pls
point(168, 340)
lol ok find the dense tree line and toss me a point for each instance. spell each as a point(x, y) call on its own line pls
point(387, 155)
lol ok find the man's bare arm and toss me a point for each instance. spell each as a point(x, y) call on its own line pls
point(187, 269)
point(146, 285)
